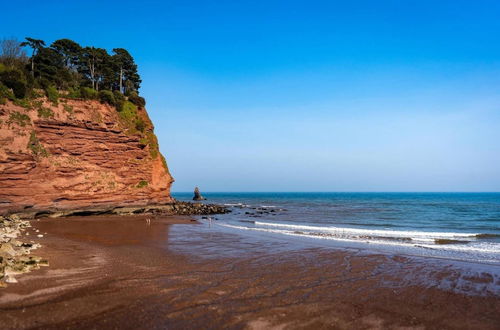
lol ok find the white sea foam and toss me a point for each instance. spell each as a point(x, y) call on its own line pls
point(476, 247)
point(372, 232)
point(236, 204)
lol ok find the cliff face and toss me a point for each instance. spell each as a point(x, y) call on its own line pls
point(77, 154)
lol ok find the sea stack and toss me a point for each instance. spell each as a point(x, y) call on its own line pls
point(197, 195)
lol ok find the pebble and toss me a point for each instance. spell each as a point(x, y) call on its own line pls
point(39, 235)
point(10, 279)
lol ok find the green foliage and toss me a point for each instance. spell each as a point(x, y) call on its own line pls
point(36, 147)
point(45, 112)
point(119, 100)
point(142, 184)
point(49, 68)
point(137, 100)
point(25, 103)
point(164, 162)
point(36, 93)
point(68, 108)
point(68, 50)
point(153, 144)
point(18, 118)
point(36, 104)
point(73, 93)
point(126, 69)
point(15, 80)
point(52, 94)
point(88, 93)
point(128, 111)
point(108, 97)
point(140, 125)
point(65, 65)
point(5, 94)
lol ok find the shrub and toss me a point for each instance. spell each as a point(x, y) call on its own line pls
point(5, 94)
point(19, 89)
point(36, 147)
point(15, 80)
point(73, 93)
point(128, 111)
point(25, 103)
point(21, 119)
point(137, 100)
point(45, 112)
point(88, 93)
point(44, 83)
point(107, 97)
point(119, 100)
point(52, 94)
point(68, 108)
point(140, 125)
point(142, 184)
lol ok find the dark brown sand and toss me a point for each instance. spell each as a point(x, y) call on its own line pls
point(120, 273)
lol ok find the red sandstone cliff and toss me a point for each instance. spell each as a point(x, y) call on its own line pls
point(78, 154)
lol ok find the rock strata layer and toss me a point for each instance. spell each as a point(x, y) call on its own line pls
point(78, 154)
point(175, 208)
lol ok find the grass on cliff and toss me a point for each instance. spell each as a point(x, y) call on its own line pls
point(137, 125)
point(45, 113)
point(36, 147)
point(142, 184)
point(18, 118)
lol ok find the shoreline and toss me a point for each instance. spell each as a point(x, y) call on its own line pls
point(177, 272)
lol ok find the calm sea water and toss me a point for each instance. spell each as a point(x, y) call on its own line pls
point(463, 226)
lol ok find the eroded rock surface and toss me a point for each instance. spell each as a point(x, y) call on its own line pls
point(15, 255)
point(77, 154)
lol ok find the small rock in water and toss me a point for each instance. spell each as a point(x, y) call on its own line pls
point(39, 235)
point(197, 195)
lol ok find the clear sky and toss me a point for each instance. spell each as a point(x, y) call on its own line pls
point(305, 95)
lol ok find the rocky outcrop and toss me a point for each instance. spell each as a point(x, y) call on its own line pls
point(15, 255)
point(175, 208)
point(78, 154)
point(197, 195)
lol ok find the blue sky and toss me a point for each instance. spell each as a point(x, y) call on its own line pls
point(305, 95)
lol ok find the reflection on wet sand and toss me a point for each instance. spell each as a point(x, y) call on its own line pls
point(123, 272)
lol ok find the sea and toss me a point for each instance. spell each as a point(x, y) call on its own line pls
point(457, 226)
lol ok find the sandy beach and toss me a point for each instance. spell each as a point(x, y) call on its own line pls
point(119, 272)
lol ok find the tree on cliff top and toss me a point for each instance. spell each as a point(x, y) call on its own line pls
point(69, 50)
point(68, 66)
point(128, 78)
point(36, 45)
point(12, 53)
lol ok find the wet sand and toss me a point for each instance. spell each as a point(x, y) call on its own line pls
point(120, 272)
